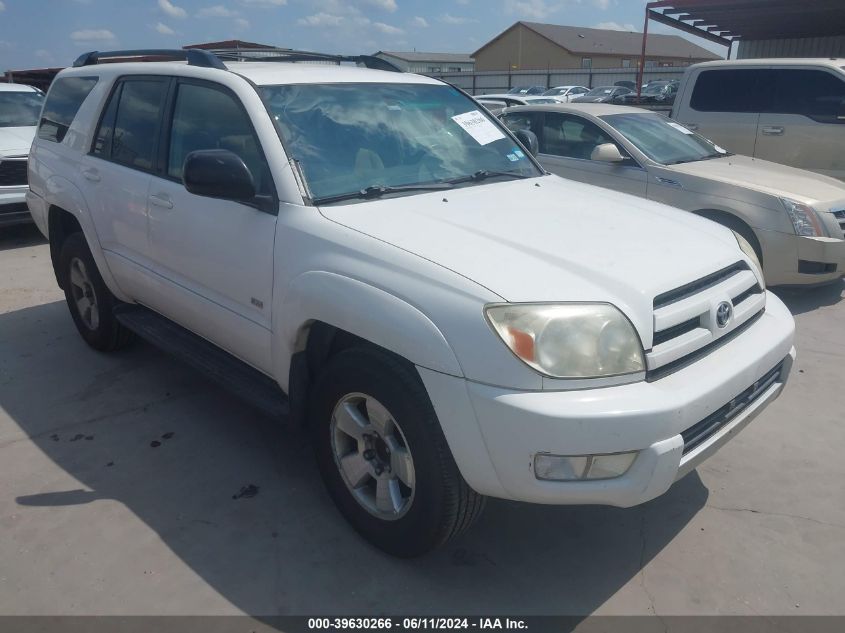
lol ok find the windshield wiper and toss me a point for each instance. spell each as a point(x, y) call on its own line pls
point(377, 191)
point(695, 160)
point(484, 174)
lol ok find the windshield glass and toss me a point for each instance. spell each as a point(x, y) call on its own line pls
point(20, 109)
point(599, 92)
point(663, 140)
point(349, 137)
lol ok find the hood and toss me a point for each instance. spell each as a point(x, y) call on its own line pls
point(767, 177)
point(550, 239)
point(15, 141)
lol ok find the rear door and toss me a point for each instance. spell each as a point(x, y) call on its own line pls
point(725, 105)
point(567, 142)
point(802, 126)
point(214, 257)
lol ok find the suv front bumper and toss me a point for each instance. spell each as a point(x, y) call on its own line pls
point(799, 260)
point(496, 433)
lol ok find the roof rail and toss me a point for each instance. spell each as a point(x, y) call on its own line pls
point(290, 55)
point(194, 57)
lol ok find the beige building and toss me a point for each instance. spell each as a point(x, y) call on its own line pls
point(535, 46)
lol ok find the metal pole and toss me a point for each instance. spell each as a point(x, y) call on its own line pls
point(642, 58)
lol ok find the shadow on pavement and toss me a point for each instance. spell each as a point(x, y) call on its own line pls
point(20, 235)
point(800, 300)
point(140, 429)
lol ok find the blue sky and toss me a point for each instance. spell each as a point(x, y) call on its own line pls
point(37, 33)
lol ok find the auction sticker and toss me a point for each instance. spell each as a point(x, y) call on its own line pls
point(478, 127)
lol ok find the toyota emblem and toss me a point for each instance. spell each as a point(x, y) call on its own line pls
point(723, 314)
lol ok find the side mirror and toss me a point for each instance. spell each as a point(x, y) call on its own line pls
point(218, 173)
point(607, 153)
point(529, 141)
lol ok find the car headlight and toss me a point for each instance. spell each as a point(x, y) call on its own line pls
point(804, 218)
point(745, 247)
point(569, 340)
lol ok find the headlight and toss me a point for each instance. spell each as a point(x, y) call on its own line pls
point(746, 248)
point(569, 340)
point(804, 218)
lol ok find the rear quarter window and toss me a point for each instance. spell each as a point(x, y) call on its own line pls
point(63, 102)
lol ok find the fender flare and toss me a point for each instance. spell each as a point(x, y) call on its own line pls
point(360, 309)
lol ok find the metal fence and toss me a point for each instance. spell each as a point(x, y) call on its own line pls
point(486, 82)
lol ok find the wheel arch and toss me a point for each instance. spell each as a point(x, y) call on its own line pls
point(734, 222)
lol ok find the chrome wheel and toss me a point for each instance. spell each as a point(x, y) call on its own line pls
point(372, 456)
point(83, 294)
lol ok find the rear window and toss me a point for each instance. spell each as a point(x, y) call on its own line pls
point(739, 90)
point(63, 102)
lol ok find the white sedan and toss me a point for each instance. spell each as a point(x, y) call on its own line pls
point(565, 94)
point(794, 219)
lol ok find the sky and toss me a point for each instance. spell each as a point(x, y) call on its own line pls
point(39, 33)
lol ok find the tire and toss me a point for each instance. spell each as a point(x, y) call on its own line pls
point(84, 286)
point(439, 505)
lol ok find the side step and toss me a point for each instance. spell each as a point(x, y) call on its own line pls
point(220, 366)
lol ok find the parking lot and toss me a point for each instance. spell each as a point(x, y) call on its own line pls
point(130, 485)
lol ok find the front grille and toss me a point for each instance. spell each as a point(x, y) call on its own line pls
point(839, 214)
point(684, 319)
point(701, 432)
point(12, 173)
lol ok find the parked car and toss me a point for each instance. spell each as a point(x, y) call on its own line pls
point(624, 83)
point(794, 219)
point(565, 94)
point(20, 106)
point(376, 255)
point(511, 100)
point(658, 92)
point(527, 90)
point(789, 111)
point(603, 94)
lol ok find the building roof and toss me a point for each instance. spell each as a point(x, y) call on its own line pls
point(228, 44)
point(584, 41)
point(417, 56)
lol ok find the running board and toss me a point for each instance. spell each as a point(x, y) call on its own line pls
point(231, 373)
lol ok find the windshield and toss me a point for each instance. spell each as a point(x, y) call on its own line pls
point(351, 137)
point(663, 140)
point(653, 89)
point(20, 109)
point(600, 92)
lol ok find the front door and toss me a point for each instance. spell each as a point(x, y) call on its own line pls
point(567, 142)
point(214, 257)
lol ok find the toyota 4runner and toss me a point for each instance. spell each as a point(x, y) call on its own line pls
point(372, 254)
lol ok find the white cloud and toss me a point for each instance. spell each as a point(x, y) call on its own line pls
point(242, 24)
point(602, 4)
point(615, 26)
point(387, 5)
point(320, 19)
point(217, 11)
point(171, 9)
point(421, 22)
point(92, 35)
point(2, 6)
point(44, 55)
point(387, 29)
point(447, 18)
point(164, 29)
point(536, 9)
point(263, 4)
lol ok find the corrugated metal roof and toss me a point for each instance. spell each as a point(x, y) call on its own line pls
point(605, 42)
point(417, 56)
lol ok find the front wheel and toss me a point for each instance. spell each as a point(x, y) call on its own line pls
point(383, 456)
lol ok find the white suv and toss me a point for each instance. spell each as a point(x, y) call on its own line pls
point(370, 252)
point(20, 106)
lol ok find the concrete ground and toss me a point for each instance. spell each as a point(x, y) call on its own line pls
point(119, 476)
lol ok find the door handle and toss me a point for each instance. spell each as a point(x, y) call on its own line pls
point(161, 200)
point(91, 174)
point(772, 130)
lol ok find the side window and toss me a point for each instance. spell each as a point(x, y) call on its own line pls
point(518, 121)
point(63, 102)
point(741, 90)
point(136, 122)
point(816, 94)
point(105, 132)
point(208, 118)
point(570, 136)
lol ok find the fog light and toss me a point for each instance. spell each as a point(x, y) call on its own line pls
point(580, 467)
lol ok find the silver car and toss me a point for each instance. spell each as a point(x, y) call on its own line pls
point(794, 219)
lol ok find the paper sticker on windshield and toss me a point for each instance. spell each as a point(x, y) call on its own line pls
point(478, 127)
point(680, 128)
point(518, 152)
point(513, 158)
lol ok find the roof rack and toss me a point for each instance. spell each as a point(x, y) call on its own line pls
point(291, 55)
point(194, 57)
point(214, 59)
